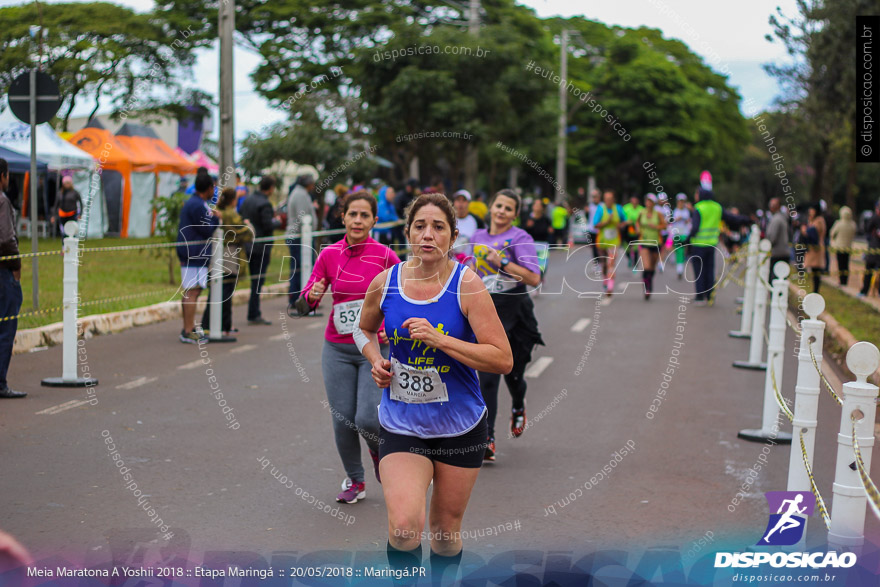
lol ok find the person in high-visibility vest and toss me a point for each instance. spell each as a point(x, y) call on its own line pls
point(609, 216)
point(559, 222)
point(632, 210)
point(706, 229)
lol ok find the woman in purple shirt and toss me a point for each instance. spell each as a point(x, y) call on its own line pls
point(506, 261)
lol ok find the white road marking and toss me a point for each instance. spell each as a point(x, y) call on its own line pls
point(74, 403)
point(536, 368)
point(581, 325)
point(243, 348)
point(605, 301)
point(281, 336)
point(136, 383)
point(191, 364)
point(315, 325)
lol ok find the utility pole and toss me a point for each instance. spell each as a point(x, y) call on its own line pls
point(35, 279)
point(32, 204)
point(563, 121)
point(227, 136)
point(474, 17)
point(472, 157)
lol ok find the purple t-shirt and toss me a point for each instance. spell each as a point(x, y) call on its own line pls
point(514, 244)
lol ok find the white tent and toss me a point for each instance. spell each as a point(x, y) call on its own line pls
point(60, 155)
point(91, 190)
point(15, 135)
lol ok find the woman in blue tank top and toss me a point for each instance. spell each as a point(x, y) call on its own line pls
point(442, 327)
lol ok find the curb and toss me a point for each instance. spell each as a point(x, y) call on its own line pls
point(113, 322)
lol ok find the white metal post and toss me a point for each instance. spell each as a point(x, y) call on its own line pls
point(70, 301)
point(215, 297)
point(806, 394)
point(306, 251)
point(70, 306)
point(859, 399)
point(748, 309)
point(756, 347)
point(775, 355)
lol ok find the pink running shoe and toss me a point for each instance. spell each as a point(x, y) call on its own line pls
point(354, 493)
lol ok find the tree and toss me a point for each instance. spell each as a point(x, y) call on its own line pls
point(680, 115)
point(757, 178)
point(307, 139)
point(92, 50)
point(480, 96)
point(301, 44)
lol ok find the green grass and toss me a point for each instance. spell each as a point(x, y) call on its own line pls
point(860, 318)
point(142, 273)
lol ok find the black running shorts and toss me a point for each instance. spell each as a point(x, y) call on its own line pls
point(466, 450)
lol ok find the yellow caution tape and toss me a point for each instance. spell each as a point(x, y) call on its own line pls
point(142, 247)
point(820, 503)
point(735, 280)
point(870, 488)
point(26, 255)
point(844, 250)
point(822, 376)
point(32, 313)
point(851, 250)
point(779, 399)
point(83, 304)
point(730, 277)
point(122, 298)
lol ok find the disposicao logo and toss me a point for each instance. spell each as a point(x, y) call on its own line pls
point(786, 526)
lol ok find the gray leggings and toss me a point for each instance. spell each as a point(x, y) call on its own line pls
point(354, 403)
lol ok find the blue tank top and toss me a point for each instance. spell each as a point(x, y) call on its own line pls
point(465, 407)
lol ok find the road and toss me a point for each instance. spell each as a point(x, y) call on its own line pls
point(205, 477)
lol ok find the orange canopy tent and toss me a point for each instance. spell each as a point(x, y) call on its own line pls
point(167, 167)
point(113, 155)
point(145, 141)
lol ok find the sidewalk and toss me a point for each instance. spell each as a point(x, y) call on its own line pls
point(28, 340)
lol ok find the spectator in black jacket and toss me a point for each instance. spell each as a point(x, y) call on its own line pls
point(10, 282)
point(68, 204)
point(405, 196)
point(537, 224)
point(197, 223)
point(258, 209)
point(872, 258)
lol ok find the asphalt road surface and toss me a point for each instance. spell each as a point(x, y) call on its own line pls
point(590, 390)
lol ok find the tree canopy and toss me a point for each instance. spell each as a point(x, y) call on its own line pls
point(394, 85)
point(94, 50)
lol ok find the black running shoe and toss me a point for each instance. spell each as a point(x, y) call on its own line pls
point(518, 422)
point(490, 451)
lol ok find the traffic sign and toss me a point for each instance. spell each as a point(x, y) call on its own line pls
point(48, 97)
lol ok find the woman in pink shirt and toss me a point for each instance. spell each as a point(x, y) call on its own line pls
point(349, 266)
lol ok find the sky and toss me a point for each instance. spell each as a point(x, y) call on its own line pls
point(728, 35)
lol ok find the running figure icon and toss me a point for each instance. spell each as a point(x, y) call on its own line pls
point(787, 521)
